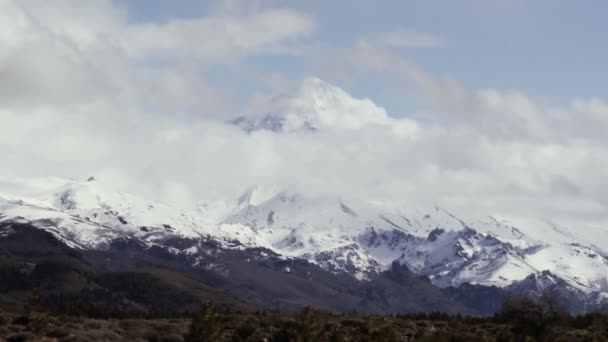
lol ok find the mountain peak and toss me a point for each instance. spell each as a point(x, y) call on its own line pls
point(314, 105)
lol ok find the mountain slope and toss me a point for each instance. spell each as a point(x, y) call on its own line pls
point(129, 278)
point(338, 235)
point(363, 238)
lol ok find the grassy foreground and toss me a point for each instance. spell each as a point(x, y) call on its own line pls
point(305, 325)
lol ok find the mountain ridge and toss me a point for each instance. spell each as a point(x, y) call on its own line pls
point(358, 237)
point(341, 236)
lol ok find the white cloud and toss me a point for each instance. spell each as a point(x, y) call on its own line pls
point(72, 52)
point(217, 39)
point(85, 92)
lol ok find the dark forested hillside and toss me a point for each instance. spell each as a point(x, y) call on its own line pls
point(131, 279)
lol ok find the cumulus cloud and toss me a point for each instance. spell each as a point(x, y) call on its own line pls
point(84, 91)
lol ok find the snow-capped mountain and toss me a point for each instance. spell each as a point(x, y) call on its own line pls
point(89, 214)
point(313, 106)
point(361, 237)
point(340, 235)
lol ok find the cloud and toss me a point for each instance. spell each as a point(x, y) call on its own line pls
point(508, 115)
point(478, 150)
point(71, 52)
point(218, 39)
point(84, 91)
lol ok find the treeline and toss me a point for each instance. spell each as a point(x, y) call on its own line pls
point(520, 319)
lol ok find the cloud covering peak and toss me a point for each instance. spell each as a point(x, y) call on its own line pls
point(88, 90)
point(315, 105)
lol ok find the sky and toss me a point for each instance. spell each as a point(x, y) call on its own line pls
point(505, 101)
point(537, 44)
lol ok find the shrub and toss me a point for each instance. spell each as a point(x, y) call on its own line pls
point(532, 318)
point(247, 331)
point(206, 325)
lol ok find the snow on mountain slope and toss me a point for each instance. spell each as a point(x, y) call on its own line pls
point(582, 266)
point(339, 234)
point(363, 238)
point(88, 214)
point(316, 105)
